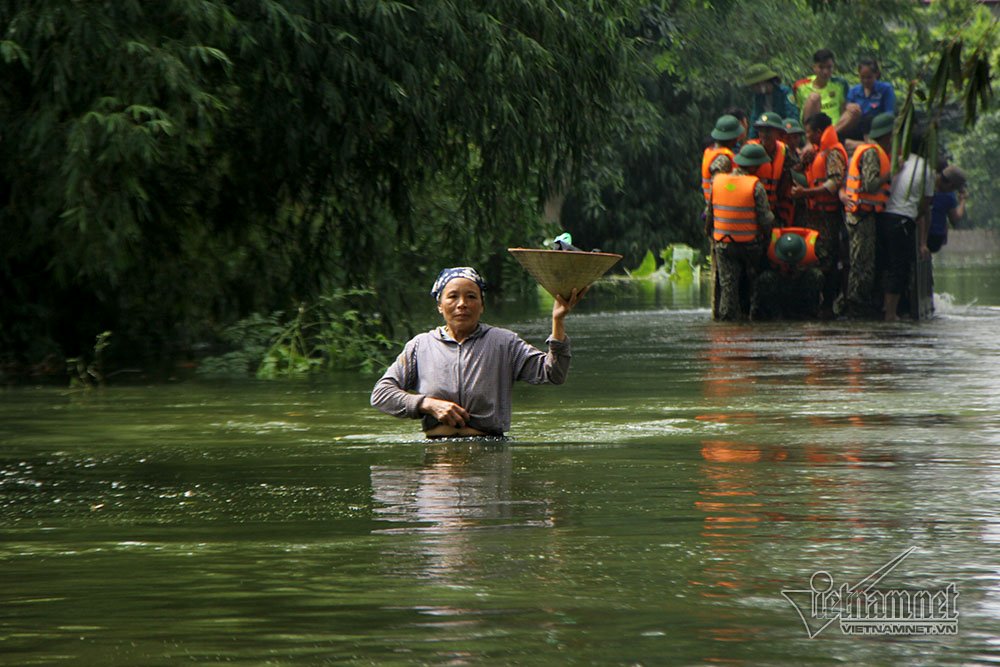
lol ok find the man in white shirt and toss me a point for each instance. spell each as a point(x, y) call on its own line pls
point(902, 227)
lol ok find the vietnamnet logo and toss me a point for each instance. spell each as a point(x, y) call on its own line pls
point(863, 609)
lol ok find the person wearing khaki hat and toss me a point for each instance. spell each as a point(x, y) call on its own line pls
point(776, 175)
point(769, 94)
point(718, 158)
point(751, 155)
point(794, 138)
point(794, 134)
point(948, 205)
point(824, 177)
point(865, 194)
point(738, 219)
point(792, 285)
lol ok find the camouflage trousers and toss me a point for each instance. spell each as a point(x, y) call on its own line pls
point(736, 268)
point(861, 277)
point(828, 224)
point(791, 295)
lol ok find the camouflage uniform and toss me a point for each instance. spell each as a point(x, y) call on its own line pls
point(784, 188)
point(721, 164)
point(861, 238)
point(737, 264)
point(828, 224)
point(793, 294)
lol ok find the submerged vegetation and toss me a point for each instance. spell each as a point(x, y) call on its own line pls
point(252, 173)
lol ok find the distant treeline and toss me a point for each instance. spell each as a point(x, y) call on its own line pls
point(170, 168)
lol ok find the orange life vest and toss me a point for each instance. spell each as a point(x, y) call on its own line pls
point(770, 173)
point(810, 236)
point(859, 199)
point(707, 159)
point(785, 210)
point(733, 211)
point(816, 172)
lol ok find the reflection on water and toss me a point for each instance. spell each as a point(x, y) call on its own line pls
point(459, 487)
point(649, 511)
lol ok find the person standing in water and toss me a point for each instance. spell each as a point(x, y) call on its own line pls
point(458, 378)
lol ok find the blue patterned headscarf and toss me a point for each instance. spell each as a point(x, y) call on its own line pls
point(447, 275)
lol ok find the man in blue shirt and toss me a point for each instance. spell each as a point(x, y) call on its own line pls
point(948, 205)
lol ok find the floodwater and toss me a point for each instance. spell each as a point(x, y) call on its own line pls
point(651, 511)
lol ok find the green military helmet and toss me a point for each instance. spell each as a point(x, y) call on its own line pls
point(790, 248)
point(793, 126)
point(726, 128)
point(752, 155)
point(758, 72)
point(769, 119)
point(882, 125)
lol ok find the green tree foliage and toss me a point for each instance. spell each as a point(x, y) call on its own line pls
point(976, 152)
point(954, 81)
point(170, 167)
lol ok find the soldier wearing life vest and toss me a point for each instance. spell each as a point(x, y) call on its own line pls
point(718, 158)
point(738, 219)
point(865, 194)
point(792, 248)
point(794, 138)
point(792, 286)
point(824, 178)
point(776, 174)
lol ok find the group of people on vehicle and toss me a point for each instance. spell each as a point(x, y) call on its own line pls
point(806, 216)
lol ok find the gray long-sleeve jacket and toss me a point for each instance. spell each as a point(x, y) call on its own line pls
point(478, 374)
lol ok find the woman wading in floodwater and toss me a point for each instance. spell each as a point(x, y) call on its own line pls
point(458, 377)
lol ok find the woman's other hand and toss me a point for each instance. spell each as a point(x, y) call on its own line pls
point(444, 411)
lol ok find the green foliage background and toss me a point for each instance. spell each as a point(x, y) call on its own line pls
point(169, 169)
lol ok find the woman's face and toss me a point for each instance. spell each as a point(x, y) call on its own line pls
point(868, 76)
point(461, 305)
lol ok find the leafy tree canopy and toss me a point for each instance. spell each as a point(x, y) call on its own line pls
point(172, 164)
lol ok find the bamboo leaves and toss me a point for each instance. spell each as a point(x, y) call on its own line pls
point(969, 79)
point(960, 74)
point(232, 155)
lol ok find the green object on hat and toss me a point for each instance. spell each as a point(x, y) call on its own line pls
point(727, 127)
point(793, 126)
point(752, 155)
point(882, 125)
point(790, 248)
point(759, 72)
point(770, 119)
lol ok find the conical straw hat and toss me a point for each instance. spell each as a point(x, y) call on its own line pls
point(559, 271)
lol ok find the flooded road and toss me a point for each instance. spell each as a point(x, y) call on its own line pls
point(650, 511)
